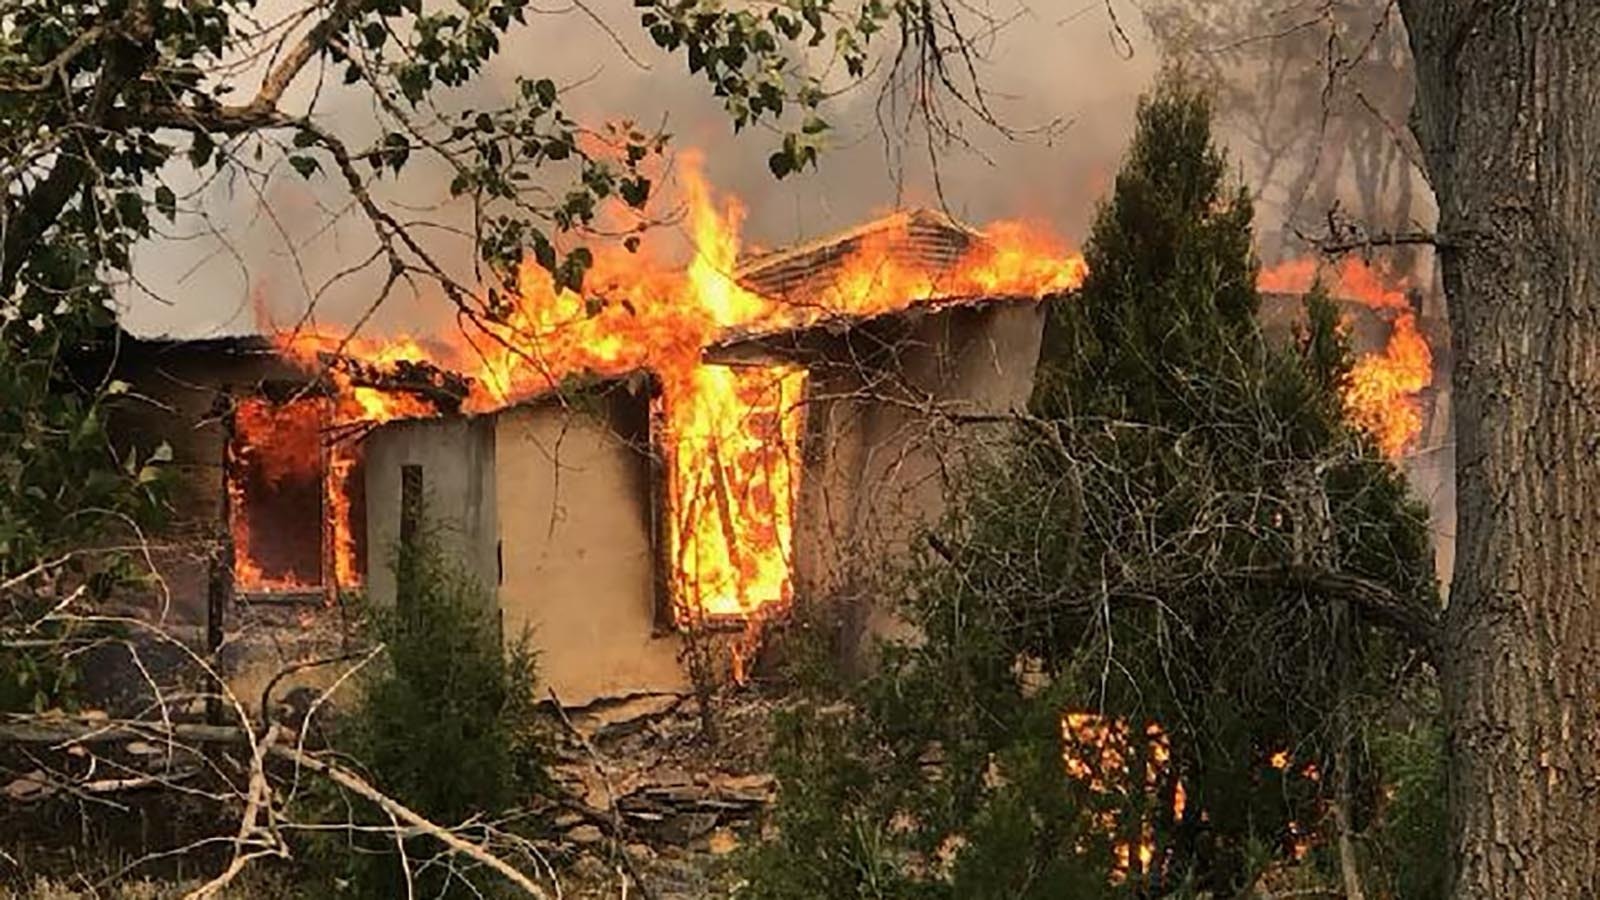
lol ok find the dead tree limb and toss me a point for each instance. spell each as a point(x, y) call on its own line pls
point(358, 786)
point(68, 731)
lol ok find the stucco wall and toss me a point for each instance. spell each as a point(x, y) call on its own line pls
point(579, 566)
point(457, 457)
point(887, 435)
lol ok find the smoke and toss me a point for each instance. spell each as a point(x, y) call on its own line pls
point(1310, 131)
point(1064, 79)
point(1067, 76)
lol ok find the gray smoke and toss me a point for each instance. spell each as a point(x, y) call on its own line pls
point(1052, 62)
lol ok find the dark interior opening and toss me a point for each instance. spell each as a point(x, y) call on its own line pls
point(275, 485)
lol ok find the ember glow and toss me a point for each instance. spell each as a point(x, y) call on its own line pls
point(1384, 389)
point(1096, 751)
point(729, 436)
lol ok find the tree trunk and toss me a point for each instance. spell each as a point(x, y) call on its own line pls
point(1508, 113)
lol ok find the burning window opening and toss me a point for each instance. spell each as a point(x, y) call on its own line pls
point(732, 467)
point(288, 464)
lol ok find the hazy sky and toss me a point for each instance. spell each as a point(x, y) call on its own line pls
point(1056, 60)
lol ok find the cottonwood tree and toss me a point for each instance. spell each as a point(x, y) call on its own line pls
point(1314, 96)
point(109, 109)
point(1505, 114)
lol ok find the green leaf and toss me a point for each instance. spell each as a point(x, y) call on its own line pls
point(167, 202)
point(305, 165)
point(635, 191)
point(545, 90)
point(201, 149)
point(780, 163)
point(544, 253)
point(374, 33)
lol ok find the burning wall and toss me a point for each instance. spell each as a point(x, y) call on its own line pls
point(584, 495)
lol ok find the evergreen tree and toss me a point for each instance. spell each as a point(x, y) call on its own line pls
point(1171, 283)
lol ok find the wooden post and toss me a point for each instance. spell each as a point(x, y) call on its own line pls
point(219, 571)
point(410, 526)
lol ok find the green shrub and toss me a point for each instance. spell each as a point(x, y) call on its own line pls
point(447, 724)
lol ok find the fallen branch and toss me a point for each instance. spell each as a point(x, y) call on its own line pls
point(1332, 246)
point(67, 732)
point(356, 785)
point(258, 798)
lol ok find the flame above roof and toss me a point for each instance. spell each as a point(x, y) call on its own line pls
point(926, 238)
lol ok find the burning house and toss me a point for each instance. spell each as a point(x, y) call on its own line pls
point(680, 449)
point(614, 486)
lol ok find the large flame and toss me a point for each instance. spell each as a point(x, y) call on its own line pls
point(1383, 392)
point(1383, 395)
point(729, 436)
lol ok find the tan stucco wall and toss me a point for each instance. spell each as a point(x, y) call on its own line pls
point(886, 441)
point(579, 568)
point(457, 457)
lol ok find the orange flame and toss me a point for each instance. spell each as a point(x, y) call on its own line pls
point(273, 446)
point(1095, 751)
point(343, 457)
point(730, 436)
point(1383, 394)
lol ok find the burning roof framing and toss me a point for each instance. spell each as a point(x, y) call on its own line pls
point(919, 239)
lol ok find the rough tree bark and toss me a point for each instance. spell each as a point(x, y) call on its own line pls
point(1508, 114)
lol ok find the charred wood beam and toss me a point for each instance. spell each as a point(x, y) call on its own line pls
point(66, 731)
point(443, 388)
